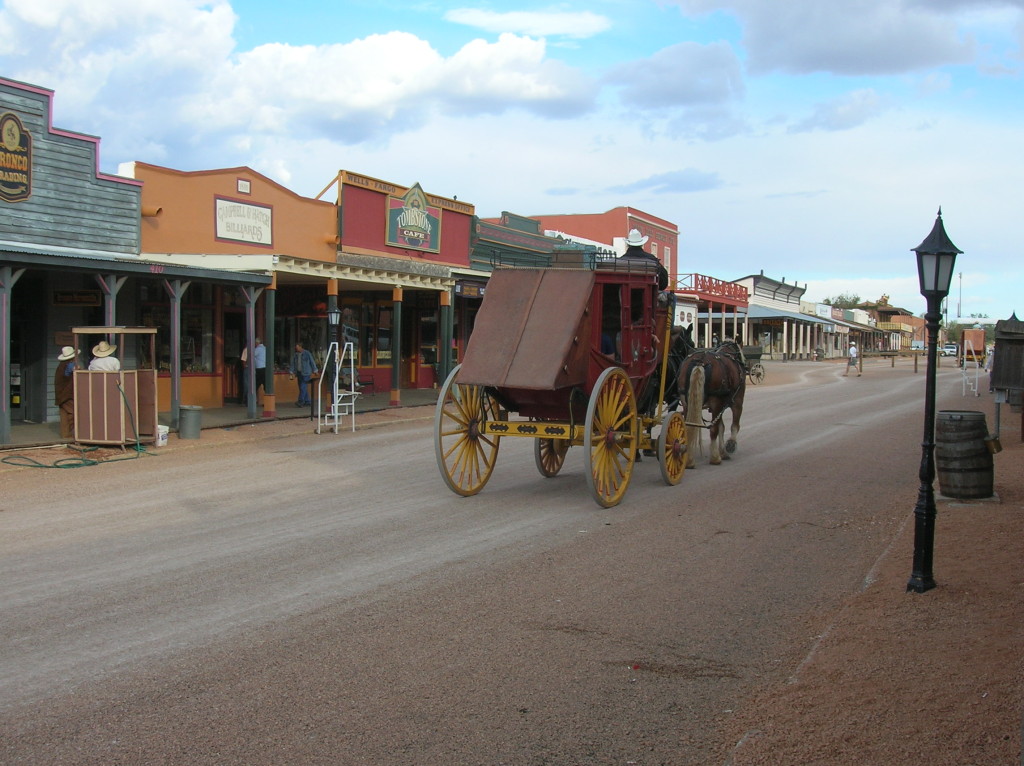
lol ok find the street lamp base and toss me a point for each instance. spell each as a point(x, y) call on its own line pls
point(919, 584)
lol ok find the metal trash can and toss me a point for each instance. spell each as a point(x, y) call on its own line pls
point(190, 421)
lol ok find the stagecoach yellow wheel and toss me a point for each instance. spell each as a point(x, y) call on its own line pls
point(610, 437)
point(549, 454)
point(672, 448)
point(465, 455)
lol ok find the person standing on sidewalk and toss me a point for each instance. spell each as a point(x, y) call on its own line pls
point(852, 360)
point(259, 355)
point(64, 391)
point(304, 368)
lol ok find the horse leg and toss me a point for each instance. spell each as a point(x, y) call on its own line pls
point(717, 433)
point(734, 434)
point(693, 414)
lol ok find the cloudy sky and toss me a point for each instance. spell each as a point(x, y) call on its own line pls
point(811, 139)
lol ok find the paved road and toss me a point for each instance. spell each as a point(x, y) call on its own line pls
point(325, 599)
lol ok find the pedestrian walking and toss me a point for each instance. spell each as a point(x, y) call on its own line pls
point(851, 361)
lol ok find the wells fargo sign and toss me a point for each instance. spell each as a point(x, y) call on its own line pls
point(15, 159)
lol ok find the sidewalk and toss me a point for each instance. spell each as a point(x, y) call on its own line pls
point(33, 435)
point(932, 679)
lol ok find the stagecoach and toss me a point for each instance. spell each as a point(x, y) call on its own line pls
point(568, 356)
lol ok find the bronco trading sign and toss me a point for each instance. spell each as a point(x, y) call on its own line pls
point(412, 223)
point(15, 159)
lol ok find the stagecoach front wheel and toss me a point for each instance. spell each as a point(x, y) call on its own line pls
point(549, 454)
point(465, 455)
point(610, 437)
point(672, 448)
point(756, 373)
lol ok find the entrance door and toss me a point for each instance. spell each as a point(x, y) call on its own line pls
point(234, 342)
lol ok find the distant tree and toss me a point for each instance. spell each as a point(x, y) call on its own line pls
point(844, 301)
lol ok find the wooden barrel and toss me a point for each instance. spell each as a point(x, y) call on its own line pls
point(963, 460)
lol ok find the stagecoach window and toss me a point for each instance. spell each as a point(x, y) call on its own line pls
point(636, 305)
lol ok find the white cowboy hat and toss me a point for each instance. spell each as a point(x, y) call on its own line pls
point(66, 353)
point(103, 349)
point(635, 239)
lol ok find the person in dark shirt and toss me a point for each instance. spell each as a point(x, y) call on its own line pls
point(635, 249)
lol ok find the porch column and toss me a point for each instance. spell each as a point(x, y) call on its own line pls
point(396, 348)
point(175, 290)
point(110, 284)
point(444, 341)
point(8, 276)
point(270, 308)
point(251, 295)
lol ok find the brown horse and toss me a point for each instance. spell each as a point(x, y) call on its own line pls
point(715, 381)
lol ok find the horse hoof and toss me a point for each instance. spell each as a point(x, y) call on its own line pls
point(730, 446)
point(716, 462)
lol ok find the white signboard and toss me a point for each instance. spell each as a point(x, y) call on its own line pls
point(686, 313)
point(244, 222)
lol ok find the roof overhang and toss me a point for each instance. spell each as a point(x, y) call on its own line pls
point(35, 257)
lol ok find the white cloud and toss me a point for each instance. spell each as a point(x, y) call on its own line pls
point(849, 111)
point(854, 37)
point(685, 74)
point(576, 25)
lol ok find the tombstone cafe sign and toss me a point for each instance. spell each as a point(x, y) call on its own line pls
point(15, 159)
point(413, 223)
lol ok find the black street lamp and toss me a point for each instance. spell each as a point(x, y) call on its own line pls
point(334, 321)
point(935, 259)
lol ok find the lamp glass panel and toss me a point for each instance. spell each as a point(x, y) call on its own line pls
point(944, 270)
point(926, 271)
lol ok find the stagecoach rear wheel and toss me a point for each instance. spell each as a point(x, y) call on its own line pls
point(610, 436)
point(465, 455)
point(756, 373)
point(549, 454)
point(672, 448)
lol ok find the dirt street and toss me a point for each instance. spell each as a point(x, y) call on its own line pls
point(266, 595)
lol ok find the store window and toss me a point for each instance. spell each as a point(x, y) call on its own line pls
point(197, 336)
point(384, 332)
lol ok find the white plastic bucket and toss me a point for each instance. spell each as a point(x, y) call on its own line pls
point(161, 435)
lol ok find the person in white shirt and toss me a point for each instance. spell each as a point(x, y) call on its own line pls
point(103, 358)
point(851, 363)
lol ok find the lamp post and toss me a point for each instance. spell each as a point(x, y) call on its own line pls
point(334, 321)
point(935, 259)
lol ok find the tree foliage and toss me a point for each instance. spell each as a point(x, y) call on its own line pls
point(844, 301)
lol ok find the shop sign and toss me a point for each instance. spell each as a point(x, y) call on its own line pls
point(15, 159)
point(470, 289)
point(413, 222)
point(686, 313)
point(76, 298)
point(244, 222)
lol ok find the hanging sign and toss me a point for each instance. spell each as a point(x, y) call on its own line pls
point(15, 159)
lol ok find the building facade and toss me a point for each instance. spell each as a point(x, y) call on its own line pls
point(69, 257)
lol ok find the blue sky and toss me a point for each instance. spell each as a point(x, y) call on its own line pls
point(811, 139)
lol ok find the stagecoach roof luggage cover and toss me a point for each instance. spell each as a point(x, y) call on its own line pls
point(532, 331)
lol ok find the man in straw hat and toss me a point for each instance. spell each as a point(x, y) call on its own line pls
point(64, 390)
point(103, 358)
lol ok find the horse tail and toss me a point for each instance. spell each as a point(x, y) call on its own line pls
point(695, 407)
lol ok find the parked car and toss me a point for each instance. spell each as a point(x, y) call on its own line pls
point(950, 349)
